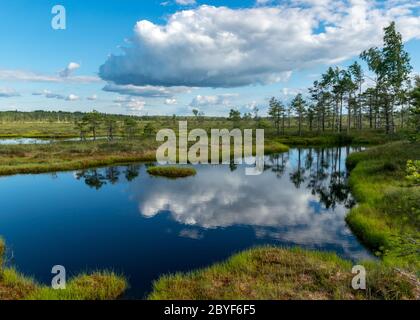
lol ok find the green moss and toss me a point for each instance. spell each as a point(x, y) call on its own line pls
point(172, 172)
point(275, 273)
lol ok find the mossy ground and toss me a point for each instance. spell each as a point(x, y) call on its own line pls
point(387, 217)
point(96, 286)
point(280, 274)
point(172, 172)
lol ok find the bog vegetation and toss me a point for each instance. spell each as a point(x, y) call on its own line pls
point(380, 105)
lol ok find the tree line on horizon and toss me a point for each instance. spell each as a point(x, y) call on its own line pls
point(338, 101)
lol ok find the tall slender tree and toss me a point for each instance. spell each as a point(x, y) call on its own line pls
point(299, 106)
point(276, 111)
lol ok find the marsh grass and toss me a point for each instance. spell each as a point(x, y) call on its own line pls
point(75, 155)
point(62, 156)
point(276, 274)
point(387, 217)
point(101, 285)
point(172, 171)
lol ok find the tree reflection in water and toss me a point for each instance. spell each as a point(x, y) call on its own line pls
point(320, 170)
point(97, 178)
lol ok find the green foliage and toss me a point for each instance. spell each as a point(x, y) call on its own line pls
point(387, 218)
point(149, 129)
point(276, 112)
point(299, 106)
point(130, 127)
point(413, 171)
point(234, 117)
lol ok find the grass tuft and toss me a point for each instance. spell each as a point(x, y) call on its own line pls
point(281, 274)
point(172, 172)
point(97, 286)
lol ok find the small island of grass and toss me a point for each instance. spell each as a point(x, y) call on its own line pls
point(172, 172)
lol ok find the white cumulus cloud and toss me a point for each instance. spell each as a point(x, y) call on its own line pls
point(223, 47)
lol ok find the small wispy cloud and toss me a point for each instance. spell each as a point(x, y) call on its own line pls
point(67, 71)
point(51, 95)
point(131, 104)
point(29, 76)
point(213, 100)
point(8, 93)
point(146, 91)
point(185, 2)
point(171, 101)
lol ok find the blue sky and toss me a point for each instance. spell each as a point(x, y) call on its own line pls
point(210, 55)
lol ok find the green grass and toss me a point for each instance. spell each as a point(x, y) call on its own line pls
point(62, 156)
point(387, 217)
point(75, 155)
point(38, 130)
point(271, 147)
point(171, 171)
point(365, 137)
point(96, 286)
point(277, 274)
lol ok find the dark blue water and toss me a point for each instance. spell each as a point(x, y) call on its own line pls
point(122, 219)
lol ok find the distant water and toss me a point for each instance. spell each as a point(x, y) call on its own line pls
point(13, 141)
point(121, 218)
point(17, 141)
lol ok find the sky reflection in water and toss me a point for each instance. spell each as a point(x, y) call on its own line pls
point(121, 218)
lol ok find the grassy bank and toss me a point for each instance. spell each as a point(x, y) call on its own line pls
point(63, 156)
point(95, 286)
point(275, 273)
point(172, 172)
point(387, 217)
point(366, 137)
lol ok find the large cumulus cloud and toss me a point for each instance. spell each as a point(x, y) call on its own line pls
point(222, 47)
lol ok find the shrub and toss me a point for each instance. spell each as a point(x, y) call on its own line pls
point(413, 171)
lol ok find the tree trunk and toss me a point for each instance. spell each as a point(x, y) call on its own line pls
point(341, 114)
point(349, 114)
